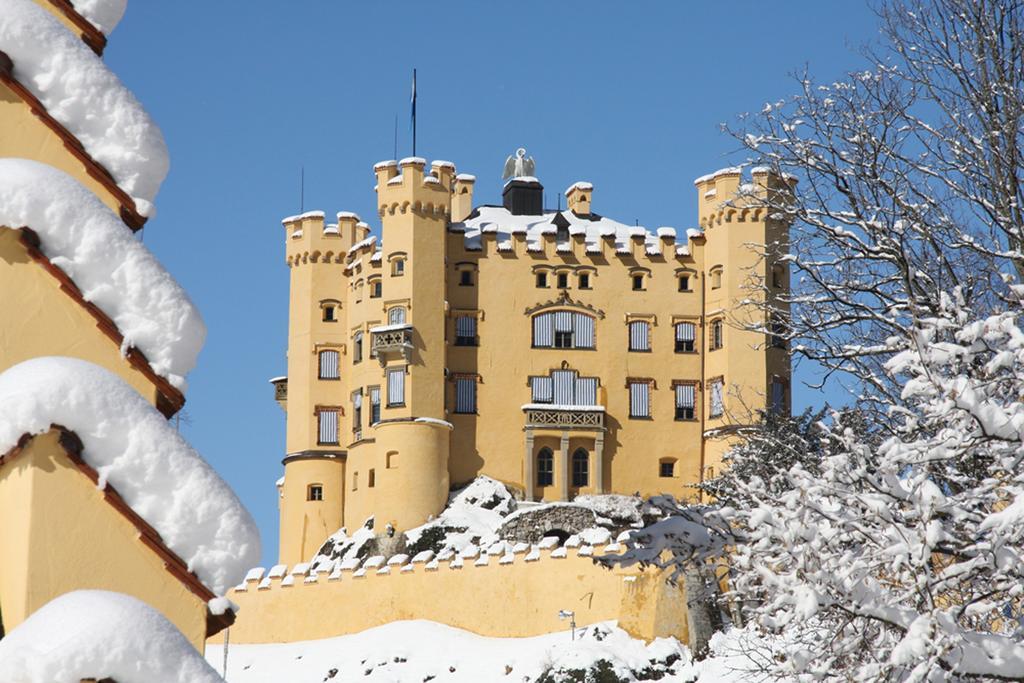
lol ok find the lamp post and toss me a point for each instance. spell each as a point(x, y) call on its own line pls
point(571, 616)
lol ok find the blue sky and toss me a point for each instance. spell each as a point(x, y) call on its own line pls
point(626, 95)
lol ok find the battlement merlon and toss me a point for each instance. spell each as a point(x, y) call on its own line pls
point(308, 238)
point(723, 191)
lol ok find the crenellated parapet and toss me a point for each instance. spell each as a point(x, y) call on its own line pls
point(724, 198)
point(404, 187)
point(308, 239)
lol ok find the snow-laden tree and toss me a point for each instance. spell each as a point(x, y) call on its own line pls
point(898, 554)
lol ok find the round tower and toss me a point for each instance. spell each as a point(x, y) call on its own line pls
point(312, 495)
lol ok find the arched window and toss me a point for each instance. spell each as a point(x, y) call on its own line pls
point(717, 340)
point(328, 365)
point(563, 330)
point(580, 467)
point(545, 467)
point(716, 277)
point(396, 316)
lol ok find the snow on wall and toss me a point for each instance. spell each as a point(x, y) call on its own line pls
point(80, 92)
point(103, 14)
point(87, 240)
point(132, 447)
point(98, 634)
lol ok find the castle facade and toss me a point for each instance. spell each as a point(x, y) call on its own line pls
point(560, 352)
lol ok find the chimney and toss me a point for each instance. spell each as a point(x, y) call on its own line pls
point(524, 197)
point(579, 195)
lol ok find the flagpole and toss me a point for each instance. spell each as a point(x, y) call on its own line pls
point(414, 112)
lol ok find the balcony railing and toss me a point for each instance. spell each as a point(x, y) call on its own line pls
point(280, 390)
point(564, 417)
point(390, 339)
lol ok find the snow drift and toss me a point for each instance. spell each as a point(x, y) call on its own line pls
point(133, 448)
point(97, 635)
point(84, 238)
point(103, 14)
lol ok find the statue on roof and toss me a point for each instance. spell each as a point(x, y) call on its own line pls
point(519, 166)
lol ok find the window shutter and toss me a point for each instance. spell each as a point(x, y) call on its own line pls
point(565, 381)
point(328, 425)
point(584, 331)
point(686, 332)
point(396, 386)
point(465, 395)
point(685, 396)
point(374, 405)
point(542, 389)
point(586, 391)
point(638, 336)
point(563, 321)
point(329, 365)
point(639, 399)
point(465, 326)
point(544, 330)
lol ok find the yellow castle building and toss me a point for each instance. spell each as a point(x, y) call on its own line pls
point(559, 352)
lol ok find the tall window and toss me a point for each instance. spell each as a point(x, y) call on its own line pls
point(396, 316)
point(717, 397)
point(777, 397)
point(716, 277)
point(686, 333)
point(542, 280)
point(328, 313)
point(563, 330)
point(374, 405)
point(396, 387)
point(638, 283)
point(584, 281)
point(563, 280)
point(685, 401)
point(357, 347)
point(639, 399)
point(465, 278)
point(398, 267)
point(545, 467)
point(564, 387)
point(376, 288)
point(357, 413)
point(465, 330)
point(465, 395)
point(315, 492)
point(580, 468)
point(327, 426)
point(776, 333)
point(717, 340)
point(328, 365)
point(639, 336)
point(778, 277)
point(684, 283)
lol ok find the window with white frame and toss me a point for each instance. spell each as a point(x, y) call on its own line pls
point(374, 393)
point(396, 387)
point(686, 401)
point(327, 426)
point(686, 335)
point(357, 347)
point(328, 362)
point(565, 388)
point(357, 413)
point(639, 335)
point(545, 467)
point(396, 316)
point(717, 334)
point(717, 397)
point(639, 399)
point(465, 395)
point(563, 330)
point(465, 330)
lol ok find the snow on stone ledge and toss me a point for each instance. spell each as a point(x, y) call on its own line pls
point(80, 92)
point(103, 14)
point(86, 240)
point(134, 449)
point(94, 634)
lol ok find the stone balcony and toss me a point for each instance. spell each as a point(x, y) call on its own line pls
point(388, 339)
point(281, 391)
point(549, 416)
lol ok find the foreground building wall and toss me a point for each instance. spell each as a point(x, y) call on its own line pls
point(503, 596)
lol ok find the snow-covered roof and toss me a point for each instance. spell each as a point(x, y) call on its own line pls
point(412, 160)
point(441, 163)
point(579, 185)
point(134, 449)
point(92, 635)
point(84, 238)
point(103, 14)
point(728, 170)
point(380, 165)
point(342, 215)
point(498, 219)
point(86, 98)
point(298, 217)
point(368, 242)
point(466, 177)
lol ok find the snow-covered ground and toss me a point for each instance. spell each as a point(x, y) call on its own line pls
point(427, 651)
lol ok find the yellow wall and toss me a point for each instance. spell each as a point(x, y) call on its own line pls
point(415, 205)
point(74, 539)
point(49, 322)
point(517, 599)
point(23, 135)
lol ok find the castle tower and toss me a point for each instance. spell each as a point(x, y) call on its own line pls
point(411, 439)
point(747, 368)
point(311, 498)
